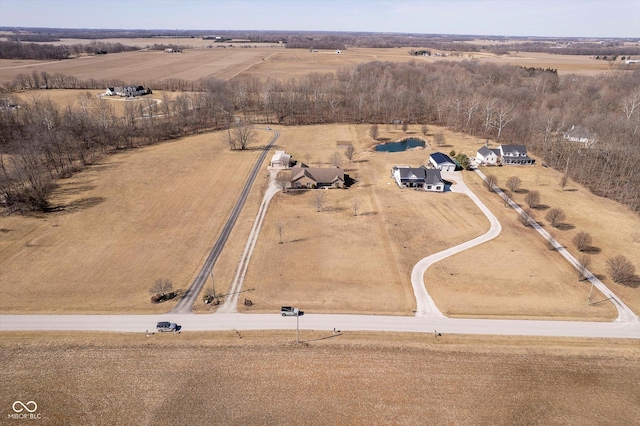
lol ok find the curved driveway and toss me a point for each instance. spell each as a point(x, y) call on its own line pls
point(424, 303)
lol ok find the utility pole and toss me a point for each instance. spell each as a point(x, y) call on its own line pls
point(298, 327)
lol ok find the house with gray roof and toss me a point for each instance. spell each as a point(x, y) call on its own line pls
point(487, 156)
point(515, 154)
point(418, 177)
point(305, 177)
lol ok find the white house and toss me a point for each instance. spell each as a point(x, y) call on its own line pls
point(487, 156)
point(581, 135)
point(128, 91)
point(281, 159)
point(420, 177)
point(515, 154)
point(442, 162)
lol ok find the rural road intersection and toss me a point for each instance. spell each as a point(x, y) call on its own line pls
point(428, 318)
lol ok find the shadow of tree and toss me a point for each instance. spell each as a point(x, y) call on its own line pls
point(75, 206)
point(592, 250)
point(565, 227)
point(540, 207)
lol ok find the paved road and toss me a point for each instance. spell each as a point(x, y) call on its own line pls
point(185, 305)
point(345, 323)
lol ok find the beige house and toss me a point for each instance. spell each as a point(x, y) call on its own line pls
point(303, 176)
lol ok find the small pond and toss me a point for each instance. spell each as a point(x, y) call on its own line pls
point(400, 146)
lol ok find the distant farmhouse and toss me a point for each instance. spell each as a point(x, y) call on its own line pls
point(420, 177)
point(303, 176)
point(442, 162)
point(581, 135)
point(127, 91)
point(515, 155)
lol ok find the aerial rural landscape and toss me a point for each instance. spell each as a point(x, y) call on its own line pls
point(335, 226)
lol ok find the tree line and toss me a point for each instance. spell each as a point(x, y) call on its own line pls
point(500, 102)
point(48, 52)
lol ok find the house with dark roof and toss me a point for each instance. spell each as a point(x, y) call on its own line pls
point(303, 176)
point(442, 162)
point(418, 177)
point(488, 156)
point(515, 154)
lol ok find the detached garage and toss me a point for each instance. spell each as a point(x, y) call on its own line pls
point(442, 162)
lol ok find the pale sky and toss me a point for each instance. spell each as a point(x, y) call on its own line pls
point(560, 18)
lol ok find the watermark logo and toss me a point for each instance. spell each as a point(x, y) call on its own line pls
point(24, 411)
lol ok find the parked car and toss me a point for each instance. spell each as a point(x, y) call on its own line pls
point(167, 326)
point(289, 311)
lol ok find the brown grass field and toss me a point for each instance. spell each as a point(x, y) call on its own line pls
point(265, 62)
point(141, 215)
point(155, 221)
point(355, 378)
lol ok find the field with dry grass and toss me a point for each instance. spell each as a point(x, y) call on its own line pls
point(266, 62)
point(614, 227)
point(155, 212)
point(90, 99)
point(354, 378)
point(139, 216)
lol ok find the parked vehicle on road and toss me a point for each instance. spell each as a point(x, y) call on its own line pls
point(289, 311)
point(166, 326)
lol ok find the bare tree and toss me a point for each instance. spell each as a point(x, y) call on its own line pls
point(583, 267)
point(374, 132)
point(551, 242)
point(241, 136)
point(582, 241)
point(555, 217)
point(490, 182)
point(282, 180)
point(307, 158)
point(621, 270)
point(513, 183)
point(564, 180)
point(318, 200)
point(355, 204)
point(161, 286)
point(506, 196)
point(526, 217)
point(349, 152)
point(405, 126)
point(439, 138)
point(532, 199)
point(424, 129)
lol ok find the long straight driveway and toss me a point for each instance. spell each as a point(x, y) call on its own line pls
point(185, 305)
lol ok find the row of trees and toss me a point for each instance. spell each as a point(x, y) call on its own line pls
point(47, 52)
point(620, 269)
